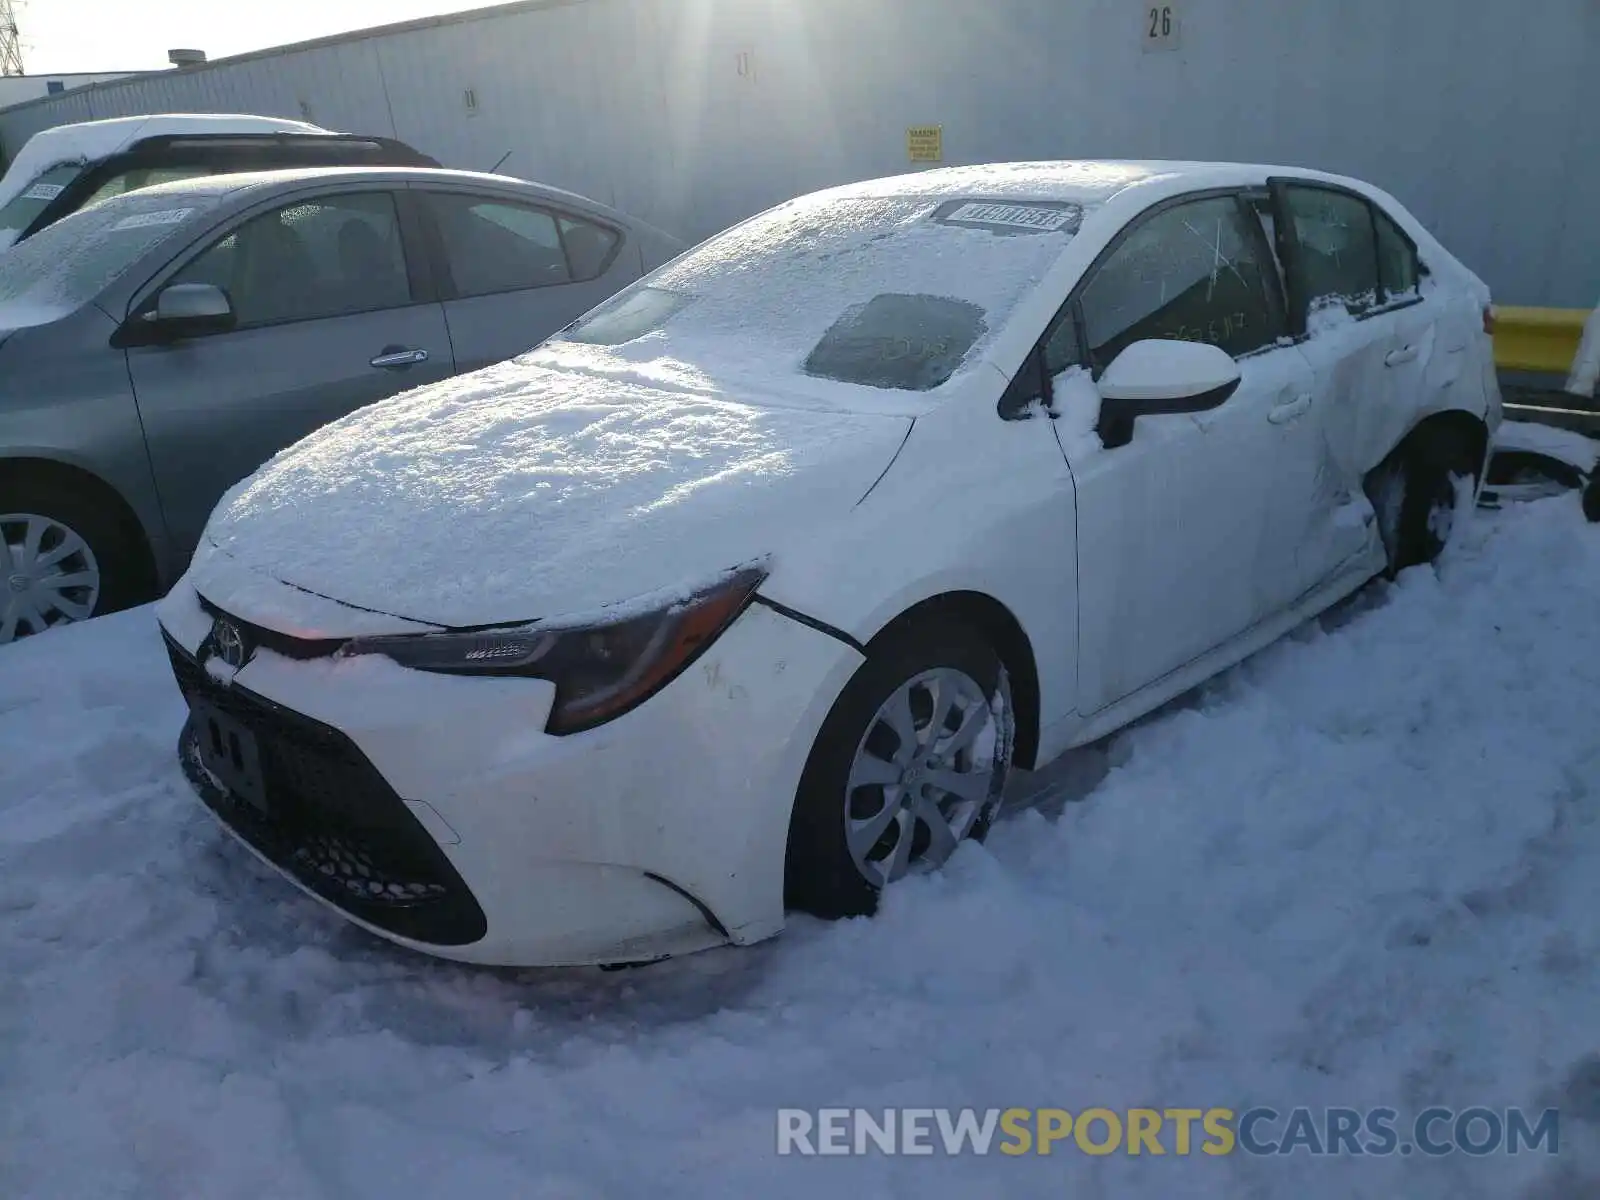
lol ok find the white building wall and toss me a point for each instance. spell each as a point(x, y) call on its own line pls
point(17, 89)
point(695, 113)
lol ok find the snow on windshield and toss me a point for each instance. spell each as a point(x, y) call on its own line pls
point(893, 292)
point(61, 268)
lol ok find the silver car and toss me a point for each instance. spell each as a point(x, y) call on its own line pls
point(157, 347)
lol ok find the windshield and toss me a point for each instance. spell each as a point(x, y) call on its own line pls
point(27, 204)
point(895, 292)
point(61, 268)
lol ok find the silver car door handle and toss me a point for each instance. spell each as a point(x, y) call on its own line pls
point(1290, 409)
point(390, 359)
point(1397, 358)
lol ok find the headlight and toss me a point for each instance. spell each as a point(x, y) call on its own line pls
point(601, 669)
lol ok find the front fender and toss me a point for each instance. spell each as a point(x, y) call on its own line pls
point(971, 504)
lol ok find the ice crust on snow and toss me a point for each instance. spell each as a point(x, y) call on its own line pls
point(524, 493)
point(1356, 871)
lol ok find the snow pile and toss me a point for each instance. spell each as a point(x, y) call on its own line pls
point(1359, 871)
point(520, 492)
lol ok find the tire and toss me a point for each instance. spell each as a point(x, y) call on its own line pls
point(1414, 492)
point(832, 873)
point(97, 557)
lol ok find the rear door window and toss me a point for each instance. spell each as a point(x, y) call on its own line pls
point(1336, 250)
point(492, 245)
point(1398, 267)
point(590, 248)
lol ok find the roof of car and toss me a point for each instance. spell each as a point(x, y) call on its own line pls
point(1079, 181)
point(261, 180)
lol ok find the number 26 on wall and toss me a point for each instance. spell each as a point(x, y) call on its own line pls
point(1161, 27)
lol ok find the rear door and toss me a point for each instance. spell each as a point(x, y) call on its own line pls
point(513, 272)
point(1434, 331)
point(333, 314)
point(1370, 343)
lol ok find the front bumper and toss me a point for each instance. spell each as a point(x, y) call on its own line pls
point(434, 811)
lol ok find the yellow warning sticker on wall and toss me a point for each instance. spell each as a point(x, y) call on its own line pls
point(925, 143)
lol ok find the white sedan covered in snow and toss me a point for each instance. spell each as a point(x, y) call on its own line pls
point(747, 591)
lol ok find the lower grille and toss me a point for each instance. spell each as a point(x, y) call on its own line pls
point(332, 821)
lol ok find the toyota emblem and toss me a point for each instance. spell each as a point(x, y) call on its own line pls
point(228, 641)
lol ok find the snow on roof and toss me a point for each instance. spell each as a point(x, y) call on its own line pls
point(89, 141)
point(1087, 182)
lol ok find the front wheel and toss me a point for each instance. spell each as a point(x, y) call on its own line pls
point(911, 761)
point(61, 560)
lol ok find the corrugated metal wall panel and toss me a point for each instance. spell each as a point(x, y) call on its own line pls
point(695, 113)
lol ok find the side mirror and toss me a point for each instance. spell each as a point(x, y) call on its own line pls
point(1161, 378)
point(183, 310)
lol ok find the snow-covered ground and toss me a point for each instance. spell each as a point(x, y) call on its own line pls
point(1359, 870)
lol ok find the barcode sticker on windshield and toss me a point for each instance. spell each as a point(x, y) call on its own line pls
point(1014, 216)
point(165, 216)
point(43, 191)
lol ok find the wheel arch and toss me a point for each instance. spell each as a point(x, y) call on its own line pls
point(1005, 633)
point(26, 470)
point(1457, 425)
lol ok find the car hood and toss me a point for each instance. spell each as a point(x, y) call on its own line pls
point(524, 492)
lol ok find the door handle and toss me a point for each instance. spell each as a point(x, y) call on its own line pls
point(1397, 358)
point(396, 358)
point(1290, 409)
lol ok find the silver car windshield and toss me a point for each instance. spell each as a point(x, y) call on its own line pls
point(894, 292)
point(62, 268)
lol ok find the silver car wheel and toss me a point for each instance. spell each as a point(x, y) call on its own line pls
point(926, 771)
point(48, 575)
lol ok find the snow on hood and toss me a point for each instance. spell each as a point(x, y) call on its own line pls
point(523, 492)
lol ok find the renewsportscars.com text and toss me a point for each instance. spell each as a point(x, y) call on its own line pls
point(1433, 1132)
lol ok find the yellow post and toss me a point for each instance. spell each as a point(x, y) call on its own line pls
point(1537, 339)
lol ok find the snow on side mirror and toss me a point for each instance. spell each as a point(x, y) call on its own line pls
point(1160, 378)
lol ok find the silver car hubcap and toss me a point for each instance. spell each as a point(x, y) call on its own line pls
point(48, 576)
point(928, 769)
